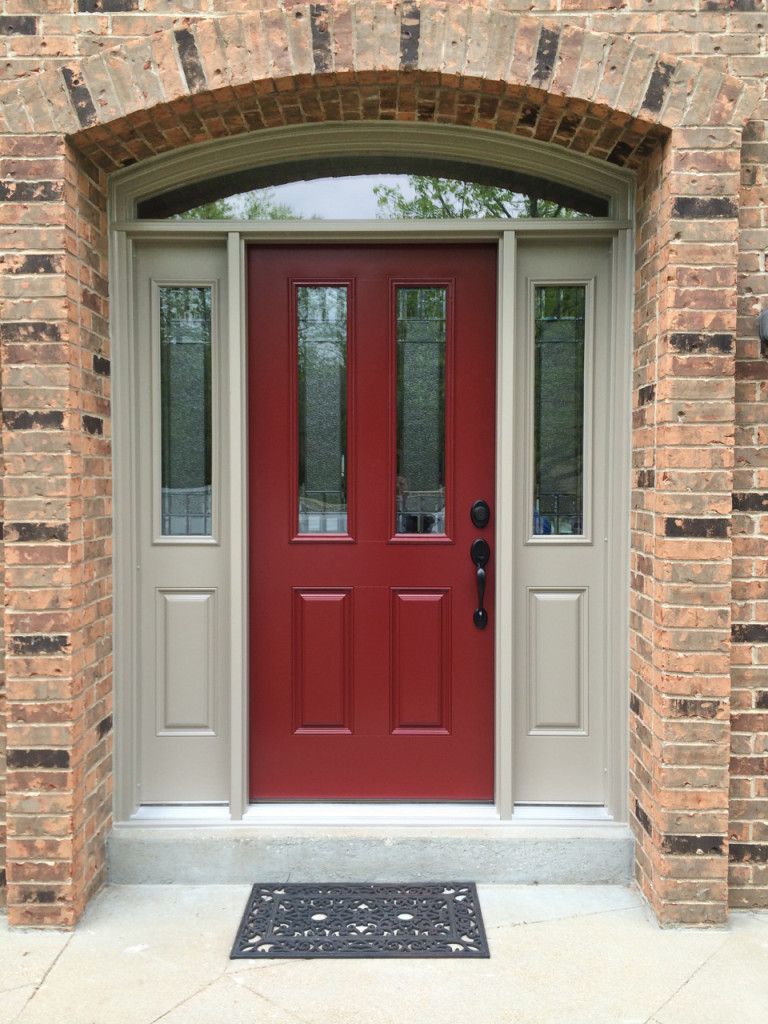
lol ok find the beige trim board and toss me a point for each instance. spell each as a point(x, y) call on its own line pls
point(273, 146)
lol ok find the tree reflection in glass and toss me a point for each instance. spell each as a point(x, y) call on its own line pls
point(420, 492)
point(322, 408)
point(558, 415)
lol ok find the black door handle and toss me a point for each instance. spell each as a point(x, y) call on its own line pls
point(480, 552)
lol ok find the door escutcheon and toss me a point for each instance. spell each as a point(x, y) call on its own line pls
point(480, 552)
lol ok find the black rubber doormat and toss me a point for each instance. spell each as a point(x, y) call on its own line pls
point(335, 920)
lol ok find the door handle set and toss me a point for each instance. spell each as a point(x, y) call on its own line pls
point(480, 553)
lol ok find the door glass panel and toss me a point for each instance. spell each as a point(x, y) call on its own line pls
point(559, 409)
point(321, 318)
point(420, 491)
point(185, 396)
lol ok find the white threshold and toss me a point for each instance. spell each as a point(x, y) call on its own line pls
point(407, 815)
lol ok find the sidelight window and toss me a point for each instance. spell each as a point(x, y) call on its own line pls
point(558, 409)
point(185, 410)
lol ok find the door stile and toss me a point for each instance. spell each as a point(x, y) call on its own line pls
point(506, 474)
point(238, 524)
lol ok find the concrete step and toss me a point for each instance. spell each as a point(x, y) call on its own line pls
point(241, 854)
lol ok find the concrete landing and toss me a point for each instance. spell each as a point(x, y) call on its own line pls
point(575, 954)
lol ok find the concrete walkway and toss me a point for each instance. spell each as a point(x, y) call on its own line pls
point(145, 954)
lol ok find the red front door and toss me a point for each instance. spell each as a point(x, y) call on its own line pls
point(372, 427)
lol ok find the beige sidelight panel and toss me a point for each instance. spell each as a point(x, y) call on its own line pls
point(185, 664)
point(562, 401)
point(182, 544)
point(557, 694)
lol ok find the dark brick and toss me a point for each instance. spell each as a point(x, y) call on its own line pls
point(321, 37)
point(30, 191)
point(37, 531)
point(704, 207)
point(657, 86)
point(191, 64)
point(104, 726)
point(30, 420)
point(755, 853)
point(49, 758)
point(30, 644)
point(529, 115)
point(568, 126)
point(732, 5)
point(749, 633)
point(761, 699)
point(93, 425)
point(689, 707)
point(81, 98)
point(682, 527)
point(620, 153)
point(646, 478)
point(40, 896)
point(21, 26)
point(634, 705)
point(106, 6)
point(33, 263)
point(750, 501)
point(643, 818)
point(646, 394)
point(101, 365)
point(687, 846)
point(546, 54)
point(410, 35)
point(22, 332)
point(696, 343)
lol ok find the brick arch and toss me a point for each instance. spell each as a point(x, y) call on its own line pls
point(598, 94)
point(68, 128)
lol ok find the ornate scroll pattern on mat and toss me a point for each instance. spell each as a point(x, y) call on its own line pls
point(341, 920)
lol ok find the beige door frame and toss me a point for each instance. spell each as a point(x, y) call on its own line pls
point(127, 187)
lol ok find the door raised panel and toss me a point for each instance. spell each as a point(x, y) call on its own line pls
point(421, 660)
point(185, 659)
point(322, 663)
point(558, 661)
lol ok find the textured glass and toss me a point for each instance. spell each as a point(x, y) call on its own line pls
point(185, 387)
point(559, 410)
point(420, 493)
point(322, 406)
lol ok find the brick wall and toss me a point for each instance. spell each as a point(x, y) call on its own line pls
point(699, 630)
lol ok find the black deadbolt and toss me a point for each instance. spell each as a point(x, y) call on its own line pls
point(480, 514)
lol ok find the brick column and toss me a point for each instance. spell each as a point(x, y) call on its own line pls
point(57, 527)
point(748, 877)
point(684, 436)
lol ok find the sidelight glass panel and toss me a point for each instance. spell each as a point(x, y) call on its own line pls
point(420, 491)
point(559, 409)
point(321, 318)
point(185, 395)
